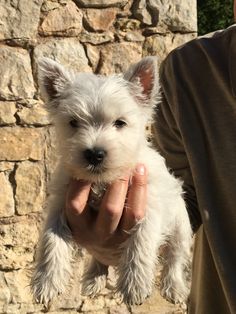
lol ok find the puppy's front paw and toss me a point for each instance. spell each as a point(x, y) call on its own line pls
point(133, 292)
point(174, 291)
point(44, 289)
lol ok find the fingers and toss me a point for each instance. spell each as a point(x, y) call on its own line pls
point(117, 211)
point(135, 207)
point(76, 198)
point(112, 207)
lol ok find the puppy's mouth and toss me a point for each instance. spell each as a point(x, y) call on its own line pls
point(98, 169)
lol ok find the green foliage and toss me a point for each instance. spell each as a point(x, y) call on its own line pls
point(214, 15)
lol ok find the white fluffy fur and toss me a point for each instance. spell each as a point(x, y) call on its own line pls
point(96, 102)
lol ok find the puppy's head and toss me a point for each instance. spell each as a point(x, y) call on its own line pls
point(100, 121)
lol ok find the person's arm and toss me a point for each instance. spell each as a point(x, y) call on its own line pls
point(107, 228)
point(168, 140)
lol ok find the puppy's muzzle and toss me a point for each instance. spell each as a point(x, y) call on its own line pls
point(95, 156)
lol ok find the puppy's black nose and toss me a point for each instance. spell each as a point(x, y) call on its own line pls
point(94, 156)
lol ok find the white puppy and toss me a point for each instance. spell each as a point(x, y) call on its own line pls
point(100, 123)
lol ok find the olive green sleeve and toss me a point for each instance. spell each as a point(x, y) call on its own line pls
point(168, 140)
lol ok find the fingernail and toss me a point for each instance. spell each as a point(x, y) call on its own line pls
point(140, 169)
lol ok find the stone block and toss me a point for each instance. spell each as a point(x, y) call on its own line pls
point(93, 54)
point(63, 21)
point(118, 57)
point(49, 5)
point(5, 295)
point(22, 308)
point(100, 20)
point(7, 112)
point(178, 15)
point(16, 74)
point(67, 51)
point(93, 305)
point(18, 143)
point(36, 115)
point(51, 153)
point(134, 36)
point(128, 24)
point(119, 309)
point(6, 166)
point(30, 192)
point(141, 12)
point(156, 304)
point(7, 204)
point(19, 19)
point(18, 285)
point(18, 239)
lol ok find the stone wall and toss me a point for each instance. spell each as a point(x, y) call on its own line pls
point(86, 35)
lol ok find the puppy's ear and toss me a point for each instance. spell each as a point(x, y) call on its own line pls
point(144, 75)
point(52, 78)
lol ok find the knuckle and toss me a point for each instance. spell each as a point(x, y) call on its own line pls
point(112, 210)
point(75, 206)
point(137, 215)
point(139, 182)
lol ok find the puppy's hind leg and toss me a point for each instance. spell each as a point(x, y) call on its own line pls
point(53, 267)
point(175, 281)
point(95, 278)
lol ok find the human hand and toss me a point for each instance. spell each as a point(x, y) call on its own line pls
point(104, 232)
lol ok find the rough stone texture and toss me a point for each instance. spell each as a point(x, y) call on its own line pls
point(159, 45)
point(103, 36)
point(18, 286)
point(7, 112)
point(150, 306)
point(21, 143)
point(93, 54)
point(17, 242)
point(49, 5)
point(19, 19)
point(177, 15)
point(67, 51)
point(7, 166)
point(97, 38)
point(133, 36)
point(36, 115)
point(128, 24)
point(7, 204)
point(63, 21)
point(29, 177)
point(141, 12)
point(16, 74)
point(118, 56)
point(5, 295)
point(100, 20)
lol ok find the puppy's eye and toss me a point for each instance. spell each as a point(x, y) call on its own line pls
point(74, 123)
point(119, 123)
